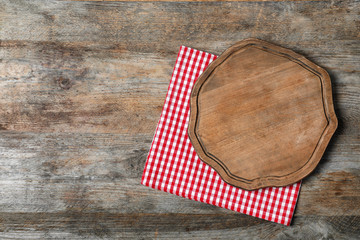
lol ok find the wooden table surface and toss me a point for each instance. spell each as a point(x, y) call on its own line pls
point(82, 88)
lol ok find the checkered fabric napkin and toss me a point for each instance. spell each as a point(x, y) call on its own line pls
point(173, 165)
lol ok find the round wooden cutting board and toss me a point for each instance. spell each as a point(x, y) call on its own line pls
point(261, 115)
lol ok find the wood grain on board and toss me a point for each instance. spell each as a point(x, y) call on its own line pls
point(82, 88)
point(261, 115)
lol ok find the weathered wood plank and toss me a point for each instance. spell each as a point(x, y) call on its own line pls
point(106, 225)
point(196, 0)
point(82, 87)
point(79, 100)
point(161, 27)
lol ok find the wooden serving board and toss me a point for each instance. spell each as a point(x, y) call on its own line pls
point(261, 115)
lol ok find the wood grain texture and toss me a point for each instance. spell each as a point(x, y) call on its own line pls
point(261, 115)
point(82, 87)
point(196, 0)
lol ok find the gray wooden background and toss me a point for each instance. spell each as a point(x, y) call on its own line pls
point(82, 86)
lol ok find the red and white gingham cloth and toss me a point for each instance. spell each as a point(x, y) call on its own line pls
point(173, 165)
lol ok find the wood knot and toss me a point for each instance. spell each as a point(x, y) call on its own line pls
point(65, 83)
